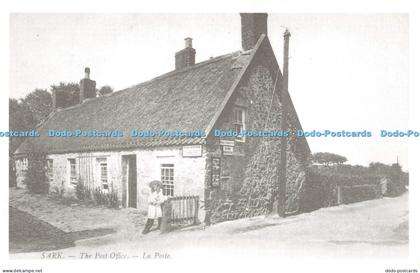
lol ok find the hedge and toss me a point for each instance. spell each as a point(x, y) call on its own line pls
point(321, 189)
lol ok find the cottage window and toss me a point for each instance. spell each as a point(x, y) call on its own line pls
point(73, 173)
point(22, 163)
point(167, 178)
point(104, 175)
point(50, 169)
point(239, 122)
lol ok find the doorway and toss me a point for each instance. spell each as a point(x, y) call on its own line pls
point(129, 165)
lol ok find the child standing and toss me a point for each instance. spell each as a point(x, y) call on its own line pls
point(155, 201)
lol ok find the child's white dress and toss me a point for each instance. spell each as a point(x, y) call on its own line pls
point(155, 201)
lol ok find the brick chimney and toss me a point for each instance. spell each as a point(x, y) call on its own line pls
point(252, 25)
point(185, 57)
point(87, 87)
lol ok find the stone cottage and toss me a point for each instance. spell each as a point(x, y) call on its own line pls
point(233, 176)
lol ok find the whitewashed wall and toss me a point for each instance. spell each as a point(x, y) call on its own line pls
point(21, 165)
point(189, 172)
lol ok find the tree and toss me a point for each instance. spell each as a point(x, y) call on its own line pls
point(379, 168)
point(397, 179)
point(68, 93)
point(20, 119)
point(25, 114)
point(36, 179)
point(39, 103)
point(328, 159)
point(104, 90)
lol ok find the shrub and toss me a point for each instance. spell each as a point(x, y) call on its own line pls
point(109, 199)
point(397, 179)
point(320, 191)
point(357, 184)
point(113, 201)
point(397, 183)
point(36, 179)
point(82, 192)
point(328, 159)
point(58, 190)
point(99, 197)
point(12, 172)
point(360, 193)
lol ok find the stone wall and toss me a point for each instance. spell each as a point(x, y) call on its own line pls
point(249, 177)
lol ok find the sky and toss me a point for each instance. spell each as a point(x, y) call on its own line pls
point(346, 72)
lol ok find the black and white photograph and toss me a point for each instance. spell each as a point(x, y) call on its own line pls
point(230, 135)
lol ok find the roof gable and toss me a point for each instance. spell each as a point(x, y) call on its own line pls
point(263, 53)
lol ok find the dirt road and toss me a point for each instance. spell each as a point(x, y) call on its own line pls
point(371, 229)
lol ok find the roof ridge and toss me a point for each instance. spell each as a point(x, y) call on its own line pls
point(185, 69)
point(163, 76)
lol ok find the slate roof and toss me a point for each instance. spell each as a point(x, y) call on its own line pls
point(183, 100)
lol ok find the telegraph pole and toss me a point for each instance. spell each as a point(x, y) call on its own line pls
point(281, 207)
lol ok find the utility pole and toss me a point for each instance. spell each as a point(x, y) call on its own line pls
point(281, 207)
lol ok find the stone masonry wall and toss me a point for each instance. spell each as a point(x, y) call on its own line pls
point(249, 177)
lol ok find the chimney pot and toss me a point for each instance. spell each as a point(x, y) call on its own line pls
point(188, 42)
point(87, 72)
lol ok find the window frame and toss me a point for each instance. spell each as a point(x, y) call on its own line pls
point(240, 123)
point(100, 176)
point(50, 169)
point(104, 175)
point(72, 179)
point(167, 179)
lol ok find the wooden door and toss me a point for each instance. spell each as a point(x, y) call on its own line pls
point(132, 181)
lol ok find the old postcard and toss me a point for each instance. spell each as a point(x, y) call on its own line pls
point(166, 137)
